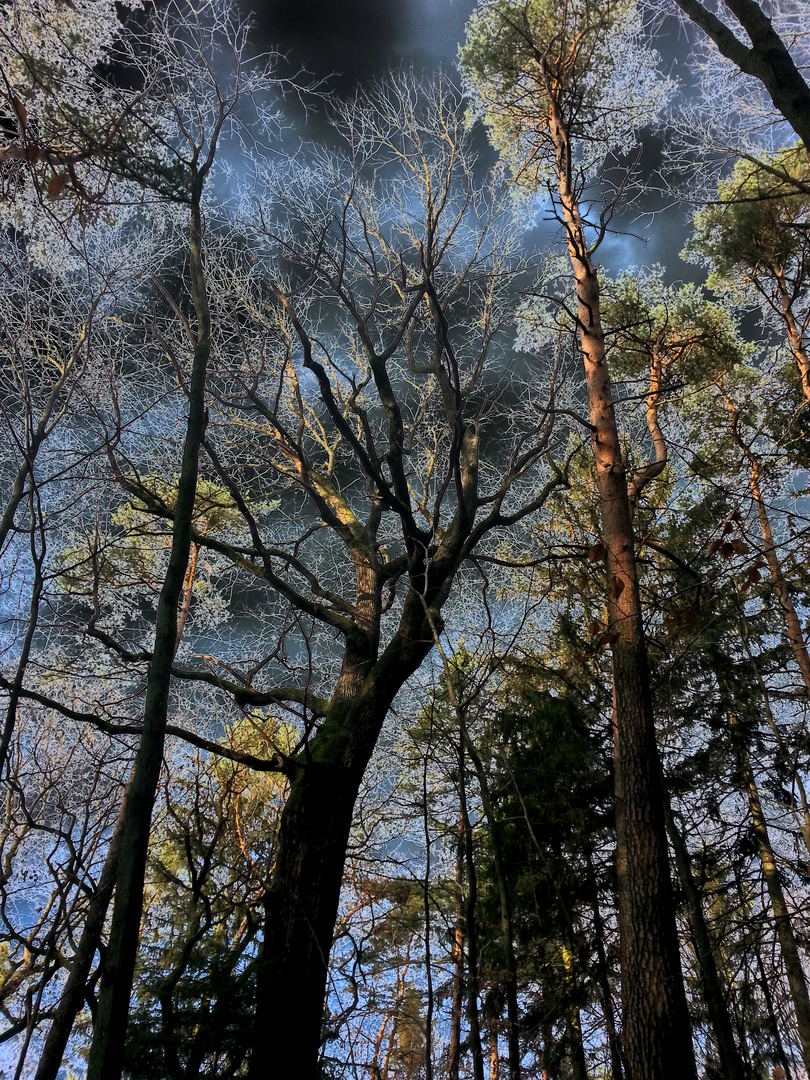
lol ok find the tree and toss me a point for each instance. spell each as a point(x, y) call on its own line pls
point(559, 92)
point(752, 239)
point(767, 58)
point(416, 271)
point(145, 138)
point(361, 350)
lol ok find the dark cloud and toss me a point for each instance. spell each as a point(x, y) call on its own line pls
point(355, 40)
point(350, 39)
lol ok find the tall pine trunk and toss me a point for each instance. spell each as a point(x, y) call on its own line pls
point(656, 1030)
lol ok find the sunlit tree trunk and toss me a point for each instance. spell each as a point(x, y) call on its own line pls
point(656, 1030)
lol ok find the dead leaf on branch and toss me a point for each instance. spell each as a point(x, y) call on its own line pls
point(596, 553)
point(20, 110)
point(56, 184)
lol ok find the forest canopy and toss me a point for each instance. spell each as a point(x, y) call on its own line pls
point(404, 611)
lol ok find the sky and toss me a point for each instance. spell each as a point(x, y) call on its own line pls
point(356, 40)
point(352, 42)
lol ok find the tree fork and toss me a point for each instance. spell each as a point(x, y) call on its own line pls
point(767, 59)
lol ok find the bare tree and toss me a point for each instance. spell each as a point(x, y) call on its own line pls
point(359, 363)
point(766, 57)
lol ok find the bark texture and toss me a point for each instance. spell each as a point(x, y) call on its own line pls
point(656, 1029)
point(766, 58)
point(302, 902)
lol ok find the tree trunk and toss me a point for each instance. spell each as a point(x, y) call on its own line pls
point(614, 1042)
point(792, 623)
point(73, 995)
point(107, 1049)
point(781, 913)
point(731, 1062)
point(794, 334)
point(802, 814)
point(494, 1059)
point(470, 918)
point(426, 908)
point(656, 1030)
point(504, 909)
point(773, 1021)
point(767, 58)
point(302, 901)
point(457, 995)
point(578, 1064)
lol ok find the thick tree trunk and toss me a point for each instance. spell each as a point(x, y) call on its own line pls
point(732, 1065)
point(107, 1049)
point(300, 912)
point(656, 1030)
point(767, 58)
point(302, 901)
